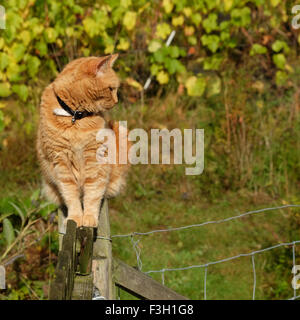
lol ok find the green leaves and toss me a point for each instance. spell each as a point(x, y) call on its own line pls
point(4, 60)
point(50, 35)
point(8, 231)
point(174, 66)
point(196, 19)
point(129, 20)
point(123, 44)
point(213, 62)
point(29, 44)
point(167, 58)
point(279, 45)
point(162, 77)
point(154, 45)
point(258, 49)
point(168, 5)
point(42, 48)
point(21, 90)
point(163, 30)
point(18, 51)
point(241, 17)
point(5, 89)
point(33, 65)
point(195, 86)
point(211, 41)
point(281, 48)
point(90, 26)
point(210, 23)
point(281, 77)
point(279, 60)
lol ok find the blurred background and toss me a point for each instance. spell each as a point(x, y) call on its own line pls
point(232, 69)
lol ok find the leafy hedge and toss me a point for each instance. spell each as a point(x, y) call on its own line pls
point(42, 35)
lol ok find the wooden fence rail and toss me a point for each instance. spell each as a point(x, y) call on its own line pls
point(85, 263)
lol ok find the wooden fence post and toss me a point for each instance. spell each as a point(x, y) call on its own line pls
point(85, 262)
point(102, 256)
point(61, 227)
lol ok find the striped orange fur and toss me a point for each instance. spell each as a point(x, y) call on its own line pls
point(71, 173)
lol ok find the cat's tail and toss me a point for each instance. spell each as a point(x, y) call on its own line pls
point(51, 193)
point(119, 171)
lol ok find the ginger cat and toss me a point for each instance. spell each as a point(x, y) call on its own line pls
point(67, 148)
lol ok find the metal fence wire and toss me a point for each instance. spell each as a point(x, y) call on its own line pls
point(251, 254)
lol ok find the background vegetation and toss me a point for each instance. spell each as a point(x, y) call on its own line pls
point(231, 69)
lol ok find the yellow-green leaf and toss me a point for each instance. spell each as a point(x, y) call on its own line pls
point(90, 26)
point(168, 5)
point(281, 77)
point(25, 36)
point(123, 44)
point(187, 11)
point(18, 51)
point(163, 30)
point(50, 35)
point(133, 83)
point(154, 45)
point(21, 90)
point(33, 65)
point(195, 86)
point(4, 60)
point(8, 231)
point(228, 4)
point(275, 3)
point(162, 77)
point(5, 89)
point(177, 21)
point(129, 20)
point(213, 86)
point(279, 60)
point(125, 3)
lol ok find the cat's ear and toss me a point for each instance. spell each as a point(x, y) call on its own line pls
point(112, 59)
point(106, 64)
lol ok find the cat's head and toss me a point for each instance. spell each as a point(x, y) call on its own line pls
point(89, 84)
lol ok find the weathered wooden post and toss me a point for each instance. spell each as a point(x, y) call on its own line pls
point(73, 275)
point(85, 262)
point(61, 227)
point(62, 285)
point(83, 282)
point(102, 256)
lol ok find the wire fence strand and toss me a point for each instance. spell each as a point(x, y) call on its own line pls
point(204, 223)
point(226, 259)
point(254, 277)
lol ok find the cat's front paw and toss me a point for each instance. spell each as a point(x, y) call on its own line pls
point(90, 220)
point(101, 154)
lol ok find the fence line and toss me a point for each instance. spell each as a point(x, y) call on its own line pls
point(206, 265)
point(224, 260)
point(204, 223)
point(137, 249)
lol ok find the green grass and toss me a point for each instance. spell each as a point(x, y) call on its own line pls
point(252, 165)
point(201, 245)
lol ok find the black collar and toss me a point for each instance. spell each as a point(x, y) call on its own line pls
point(76, 115)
